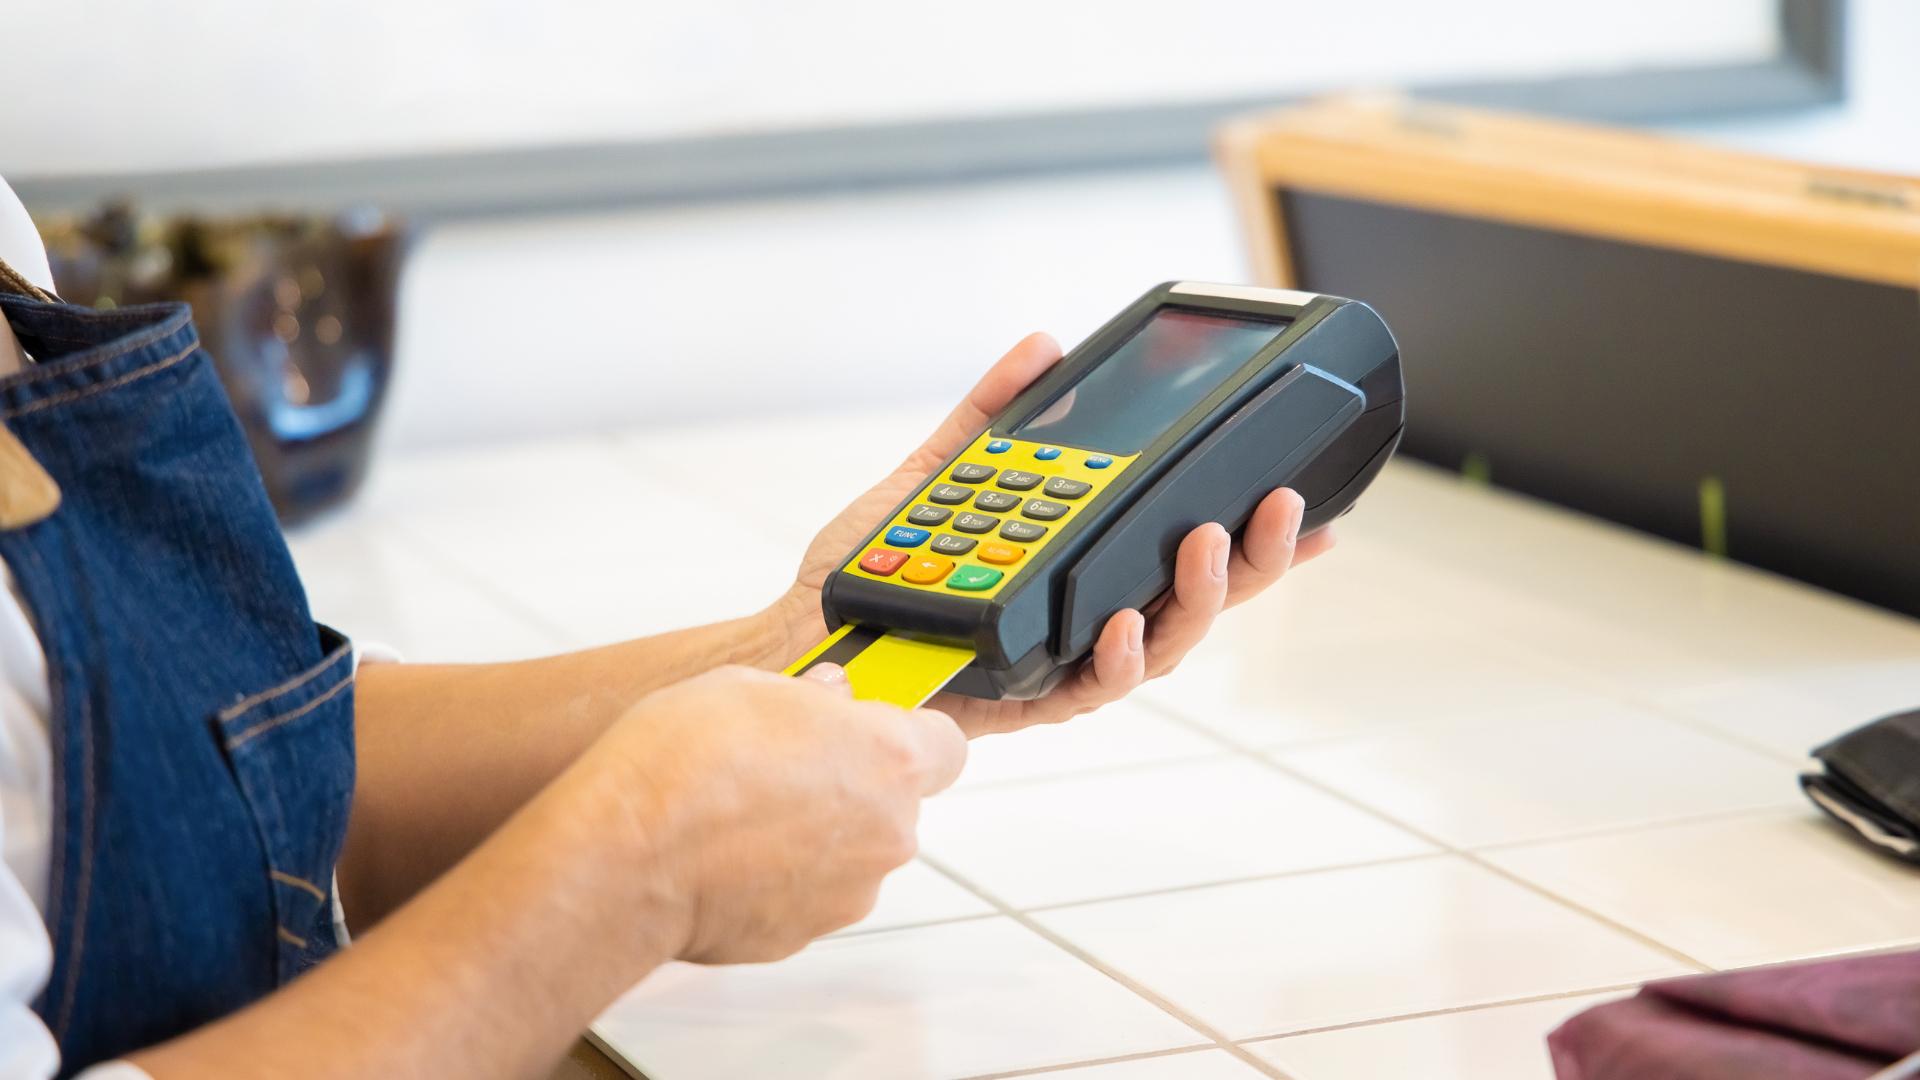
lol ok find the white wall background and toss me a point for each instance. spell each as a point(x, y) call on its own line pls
point(515, 328)
point(223, 81)
point(670, 316)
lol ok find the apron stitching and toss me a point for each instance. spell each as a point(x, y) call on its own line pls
point(99, 388)
point(294, 683)
point(287, 717)
point(285, 878)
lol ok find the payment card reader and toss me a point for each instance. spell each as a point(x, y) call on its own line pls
point(995, 577)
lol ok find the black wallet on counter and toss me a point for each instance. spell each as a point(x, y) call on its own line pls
point(1869, 781)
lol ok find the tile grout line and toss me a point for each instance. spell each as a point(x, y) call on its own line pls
point(1703, 817)
point(1452, 1010)
point(1465, 854)
point(1267, 753)
point(1034, 926)
point(1193, 886)
point(1145, 1055)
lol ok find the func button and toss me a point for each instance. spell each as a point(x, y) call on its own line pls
point(926, 569)
point(901, 536)
point(1042, 510)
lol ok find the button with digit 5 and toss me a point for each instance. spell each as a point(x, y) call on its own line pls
point(998, 502)
point(926, 569)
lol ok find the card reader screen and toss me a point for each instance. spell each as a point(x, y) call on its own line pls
point(1174, 360)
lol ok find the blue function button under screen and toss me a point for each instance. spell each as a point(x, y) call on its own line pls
point(901, 536)
point(1099, 461)
point(999, 446)
point(1047, 453)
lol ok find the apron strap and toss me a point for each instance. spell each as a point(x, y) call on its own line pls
point(12, 281)
point(27, 493)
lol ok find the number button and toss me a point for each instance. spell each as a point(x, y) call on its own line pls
point(1042, 510)
point(998, 502)
point(975, 523)
point(901, 536)
point(1015, 480)
point(1099, 461)
point(1062, 488)
point(969, 473)
point(882, 562)
point(974, 578)
point(999, 446)
point(928, 515)
point(1046, 453)
point(949, 544)
point(951, 494)
point(1000, 554)
point(1022, 531)
point(926, 569)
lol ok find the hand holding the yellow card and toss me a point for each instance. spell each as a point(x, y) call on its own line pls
point(1212, 573)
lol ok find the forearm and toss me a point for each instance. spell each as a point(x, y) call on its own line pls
point(448, 752)
point(490, 972)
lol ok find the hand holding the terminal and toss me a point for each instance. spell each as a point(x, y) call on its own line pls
point(1213, 573)
point(773, 807)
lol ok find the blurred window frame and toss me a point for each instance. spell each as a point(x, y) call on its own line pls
point(1809, 70)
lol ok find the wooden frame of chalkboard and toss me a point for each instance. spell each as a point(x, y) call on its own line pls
point(1717, 348)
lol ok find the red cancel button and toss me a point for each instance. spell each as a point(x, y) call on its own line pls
point(882, 562)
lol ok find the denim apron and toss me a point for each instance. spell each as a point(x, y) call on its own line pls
point(202, 723)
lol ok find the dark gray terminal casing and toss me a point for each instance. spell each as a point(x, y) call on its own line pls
point(1319, 409)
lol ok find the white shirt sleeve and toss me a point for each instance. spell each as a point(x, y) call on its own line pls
point(20, 242)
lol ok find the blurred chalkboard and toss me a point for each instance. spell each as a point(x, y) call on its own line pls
point(1620, 379)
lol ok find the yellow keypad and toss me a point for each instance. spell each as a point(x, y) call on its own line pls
point(970, 529)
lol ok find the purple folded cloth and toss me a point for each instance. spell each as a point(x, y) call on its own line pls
point(1828, 1020)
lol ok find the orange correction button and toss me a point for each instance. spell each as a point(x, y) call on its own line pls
point(1000, 554)
point(926, 570)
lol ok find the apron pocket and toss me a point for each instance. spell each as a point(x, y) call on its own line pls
point(291, 751)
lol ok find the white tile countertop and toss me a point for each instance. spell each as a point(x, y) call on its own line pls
point(1486, 764)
